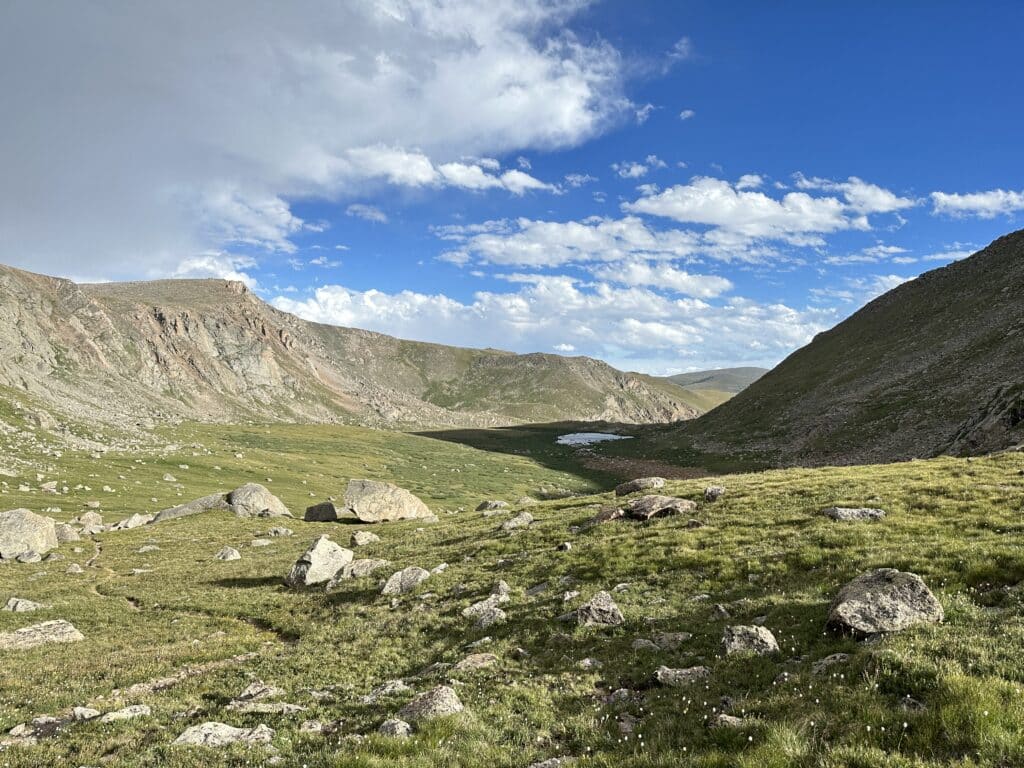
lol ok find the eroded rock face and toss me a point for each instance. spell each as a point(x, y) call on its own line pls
point(318, 564)
point(640, 484)
point(883, 600)
point(24, 531)
point(220, 735)
point(749, 639)
point(373, 501)
point(852, 514)
point(441, 701)
point(56, 631)
point(253, 500)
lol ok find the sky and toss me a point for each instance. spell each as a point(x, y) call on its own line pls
point(667, 186)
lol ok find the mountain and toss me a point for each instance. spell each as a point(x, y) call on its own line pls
point(157, 352)
point(934, 366)
point(731, 380)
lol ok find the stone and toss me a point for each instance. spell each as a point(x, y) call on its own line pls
point(606, 515)
point(640, 484)
point(228, 553)
point(20, 605)
point(749, 639)
point(883, 600)
point(648, 507)
point(319, 563)
point(821, 666)
point(853, 514)
point(254, 500)
point(643, 644)
point(476, 661)
point(135, 521)
point(725, 721)
point(24, 531)
point(405, 581)
point(56, 631)
point(373, 501)
point(214, 734)
point(364, 538)
point(215, 501)
point(357, 569)
point(323, 512)
point(145, 549)
point(84, 714)
point(384, 690)
point(713, 493)
point(600, 610)
point(395, 728)
point(677, 678)
point(260, 543)
point(128, 713)
point(441, 701)
point(479, 608)
point(522, 520)
point(29, 557)
point(492, 506)
point(66, 533)
point(670, 641)
point(74, 568)
point(489, 617)
point(279, 531)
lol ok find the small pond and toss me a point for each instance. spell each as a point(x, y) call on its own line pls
point(589, 438)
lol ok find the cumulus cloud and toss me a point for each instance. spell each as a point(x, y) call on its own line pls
point(860, 196)
point(687, 114)
point(166, 129)
point(367, 212)
point(635, 169)
point(631, 327)
point(984, 205)
point(664, 276)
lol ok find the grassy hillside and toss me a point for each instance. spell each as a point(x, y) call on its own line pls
point(763, 554)
point(731, 380)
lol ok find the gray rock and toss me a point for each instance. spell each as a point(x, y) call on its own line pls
point(84, 714)
point(395, 728)
point(822, 666)
point(670, 641)
point(74, 568)
point(364, 538)
point(476, 661)
point(749, 639)
point(489, 617)
point(323, 512)
point(215, 501)
point(492, 506)
point(883, 600)
point(441, 701)
point(713, 493)
point(648, 507)
point(220, 735)
point(405, 580)
point(20, 605)
point(66, 533)
point(600, 610)
point(228, 553)
point(279, 531)
point(253, 500)
point(128, 713)
point(357, 569)
point(384, 690)
point(25, 531)
point(678, 678)
point(29, 557)
point(318, 564)
point(725, 721)
point(640, 484)
point(56, 631)
point(373, 501)
point(522, 520)
point(853, 514)
point(135, 521)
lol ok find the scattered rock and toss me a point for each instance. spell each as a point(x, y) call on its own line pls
point(492, 506)
point(395, 728)
point(713, 493)
point(522, 520)
point(20, 605)
point(725, 721)
point(128, 713)
point(648, 507)
point(253, 500)
point(437, 702)
point(74, 568)
point(357, 569)
point(260, 543)
point(24, 531)
point(749, 639)
point(279, 531)
point(373, 501)
point(29, 557)
point(84, 714)
point(476, 661)
point(228, 553)
point(363, 538)
point(822, 666)
point(319, 563)
point(677, 678)
point(670, 641)
point(851, 514)
point(640, 484)
point(405, 581)
point(66, 533)
point(600, 610)
point(220, 735)
point(390, 688)
point(490, 617)
point(135, 521)
point(883, 600)
point(215, 501)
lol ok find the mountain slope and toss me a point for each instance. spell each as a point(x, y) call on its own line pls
point(156, 352)
point(733, 380)
point(935, 365)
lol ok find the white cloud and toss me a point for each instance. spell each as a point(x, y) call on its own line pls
point(634, 170)
point(749, 181)
point(861, 196)
point(579, 179)
point(564, 348)
point(643, 113)
point(687, 114)
point(323, 261)
point(222, 266)
point(203, 122)
point(631, 327)
point(871, 255)
point(664, 276)
point(367, 212)
point(984, 205)
point(682, 50)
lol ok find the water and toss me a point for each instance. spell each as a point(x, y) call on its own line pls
point(589, 438)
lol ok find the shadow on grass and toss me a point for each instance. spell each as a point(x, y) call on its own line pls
point(249, 582)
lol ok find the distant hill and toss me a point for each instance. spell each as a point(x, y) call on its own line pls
point(934, 366)
point(147, 353)
point(731, 380)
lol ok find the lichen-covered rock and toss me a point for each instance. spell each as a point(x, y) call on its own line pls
point(20, 605)
point(677, 678)
point(364, 538)
point(600, 610)
point(522, 520)
point(852, 514)
point(357, 569)
point(373, 501)
point(441, 701)
point(319, 563)
point(883, 600)
point(220, 735)
point(24, 531)
point(640, 484)
point(253, 500)
point(405, 580)
point(395, 728)
point(749, 639)
point(56, 631)
point(214, 501)
point(648, 507)
point(228, 553)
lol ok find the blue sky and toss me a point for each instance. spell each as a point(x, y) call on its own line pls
point(665, 185)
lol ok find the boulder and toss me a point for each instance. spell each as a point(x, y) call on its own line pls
point(437, 702)
point(364, 538)
point(640, 484)
point(373, 501)
point(228, 553)
point(253, 500)
point(600, 610)
point(713, 493)
point(395, 728)
point(648, 507)
point(475, 661)
point(66, 533)
point(677, 678)
point(493, 505)
point(86, 519)
point(749, 639)
point(853, 514)
point(220, 735)
point(56, 631)
point(324, 512)
point(20, 605)
point(214, 501)
point(522, 520)
point(318, 564)
point(128, 713)
point(883, 600)
point(723, 720)
point(357, 569)
point(25, 531)
point(405, 580)
point(135, 521)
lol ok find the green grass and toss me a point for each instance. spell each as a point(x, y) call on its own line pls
point(763, 552)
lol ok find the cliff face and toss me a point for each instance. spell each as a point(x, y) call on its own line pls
point(142, 353)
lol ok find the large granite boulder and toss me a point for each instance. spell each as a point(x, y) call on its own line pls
point(441, 701)
point(194, 507)
point(318, 564)
point(373, 501)
point(56, 631)
point(253, 500)
point(883, 600)
point(24, 531)
point(648, 507)
point(749, 639)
